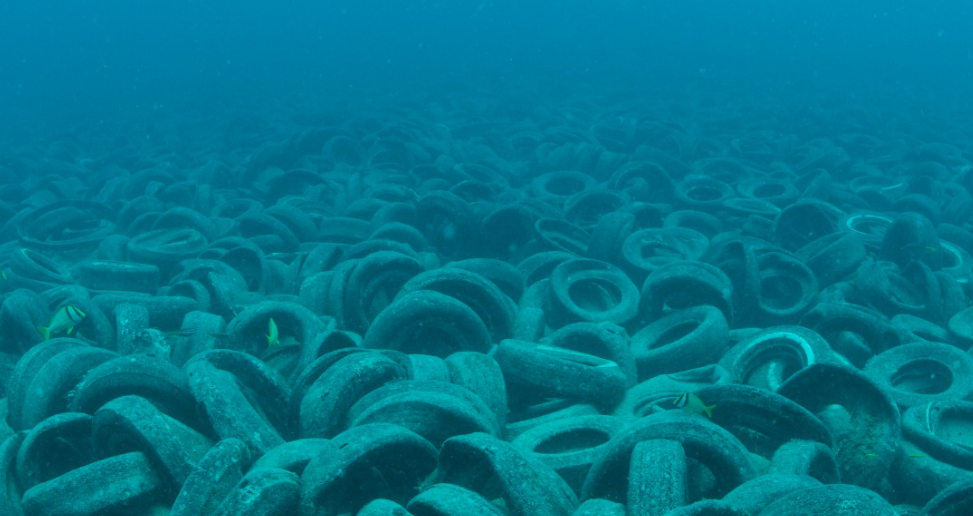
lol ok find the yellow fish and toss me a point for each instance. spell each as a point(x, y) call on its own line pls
point(273, 336)
point(64, 320)
point(692, 403)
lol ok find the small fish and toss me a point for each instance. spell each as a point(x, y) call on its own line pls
point(576, 356)
point(921, 248)
point(3, 275)
point(916, 456)
point(692, 403)
point(871, 455)
point(160, 338)
point(273, 336)
point(64, 320)
point(188, 332)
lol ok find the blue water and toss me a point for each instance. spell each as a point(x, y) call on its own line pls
point(61, 61)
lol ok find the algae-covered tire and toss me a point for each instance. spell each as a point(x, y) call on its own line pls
point(240, 397)
point(592, 291)
point(131, 422)
point(570, 445)
point(829, 500)
point(121, 483)
point(680, 341)
point(451, 500)
point(428, 322)
point(263, 492)
point(497, 469)
point(215, 475)
point(345, 481)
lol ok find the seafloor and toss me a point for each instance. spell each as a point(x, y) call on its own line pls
point(491, 304)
